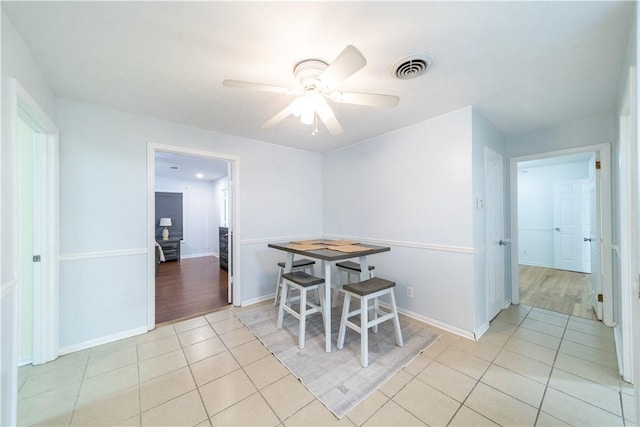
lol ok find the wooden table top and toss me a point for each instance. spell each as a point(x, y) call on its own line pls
point(324, 251)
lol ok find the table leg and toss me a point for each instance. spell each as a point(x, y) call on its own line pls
point(288, 262)
point(327, 306)
point(364, 269)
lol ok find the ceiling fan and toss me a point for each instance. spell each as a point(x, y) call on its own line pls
point(315, 84)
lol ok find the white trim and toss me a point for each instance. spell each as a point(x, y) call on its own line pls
point(257, 300)
point(202, 255)
point(415, 245)
point(276, 239)
point(604, 154)
point(438, 324)
point(103, 340)
point(46, 285)
point(482, 330)
point(8, 287)
point(235, 220)
point(102, 254)
point(627, 250)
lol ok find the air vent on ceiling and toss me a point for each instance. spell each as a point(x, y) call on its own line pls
point(411, 66)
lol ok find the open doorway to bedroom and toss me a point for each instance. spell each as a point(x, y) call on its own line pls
point(557, 221)
point(191, 230)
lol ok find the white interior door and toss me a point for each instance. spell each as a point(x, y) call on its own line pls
point(568, 238)
point(494, 214)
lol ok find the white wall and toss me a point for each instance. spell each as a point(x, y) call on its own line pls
point(201, 215)
point(412, 190)
point(535, 209)
point(103, 203)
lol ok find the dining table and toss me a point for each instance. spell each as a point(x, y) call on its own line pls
point(329, 252)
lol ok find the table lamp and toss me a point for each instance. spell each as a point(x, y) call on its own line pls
point(165, 222)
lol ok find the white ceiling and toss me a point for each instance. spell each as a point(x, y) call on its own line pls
point(525, 65)
point(187, 167)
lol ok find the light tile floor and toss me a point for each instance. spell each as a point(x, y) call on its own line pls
point(533, 367)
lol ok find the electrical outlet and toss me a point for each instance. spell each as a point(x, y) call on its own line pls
point(410, 291)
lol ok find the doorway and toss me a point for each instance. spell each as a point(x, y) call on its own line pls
point(190, 202)
point(555, 203)
point(560, 223)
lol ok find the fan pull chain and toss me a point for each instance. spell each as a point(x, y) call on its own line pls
point(314, 132)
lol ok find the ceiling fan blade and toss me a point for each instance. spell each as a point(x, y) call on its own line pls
point(369, 99)
point(346, 64)
point(329, 119)
point(278, 117)
point(259, 86)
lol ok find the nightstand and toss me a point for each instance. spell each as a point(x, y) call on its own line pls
point(171, 249)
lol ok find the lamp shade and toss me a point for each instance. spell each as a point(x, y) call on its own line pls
point(165, 222)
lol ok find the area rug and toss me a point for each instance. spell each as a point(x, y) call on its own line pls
point(336, 378)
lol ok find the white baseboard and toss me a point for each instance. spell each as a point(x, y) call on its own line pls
point(257, 300)
point(197, 255)
point(103, 340)
point(483, 330)
point(438, 324)
point(416, 316)
point(25, 360)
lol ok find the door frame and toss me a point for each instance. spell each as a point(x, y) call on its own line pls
point(46, 336)
point(629, 230)
point(234, 218)
point(46, 289)
point(603, 154)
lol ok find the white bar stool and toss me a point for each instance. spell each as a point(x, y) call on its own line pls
point(303, 282)
point(351, 268)
point(303, 264)
point(368, 290)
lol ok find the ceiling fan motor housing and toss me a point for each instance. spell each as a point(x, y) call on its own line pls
point(307, 72)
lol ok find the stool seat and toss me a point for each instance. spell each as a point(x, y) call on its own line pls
point(298, 263)
point(353, 266)
point(303, 279)
point(369, 286)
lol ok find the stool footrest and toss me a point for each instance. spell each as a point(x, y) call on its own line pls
point(304, 262)
point(353, 266)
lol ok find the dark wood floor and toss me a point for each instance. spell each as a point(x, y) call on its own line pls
point(189, 287)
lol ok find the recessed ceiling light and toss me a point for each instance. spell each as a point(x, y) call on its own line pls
point(199, 175)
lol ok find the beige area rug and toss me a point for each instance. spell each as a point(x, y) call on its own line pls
point(336, 378)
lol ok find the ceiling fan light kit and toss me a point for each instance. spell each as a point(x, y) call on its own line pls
point(315, 81)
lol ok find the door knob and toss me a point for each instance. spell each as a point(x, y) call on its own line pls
point(557, 229)
point(502, 242)
point(587, 239)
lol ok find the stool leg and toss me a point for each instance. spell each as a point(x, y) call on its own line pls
point(364, 332)
point(396, 320)
point(376, 307)
point(343, 320)
point(321, 301)
point(283, 301)
point(303, 318)
point(278, 285)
